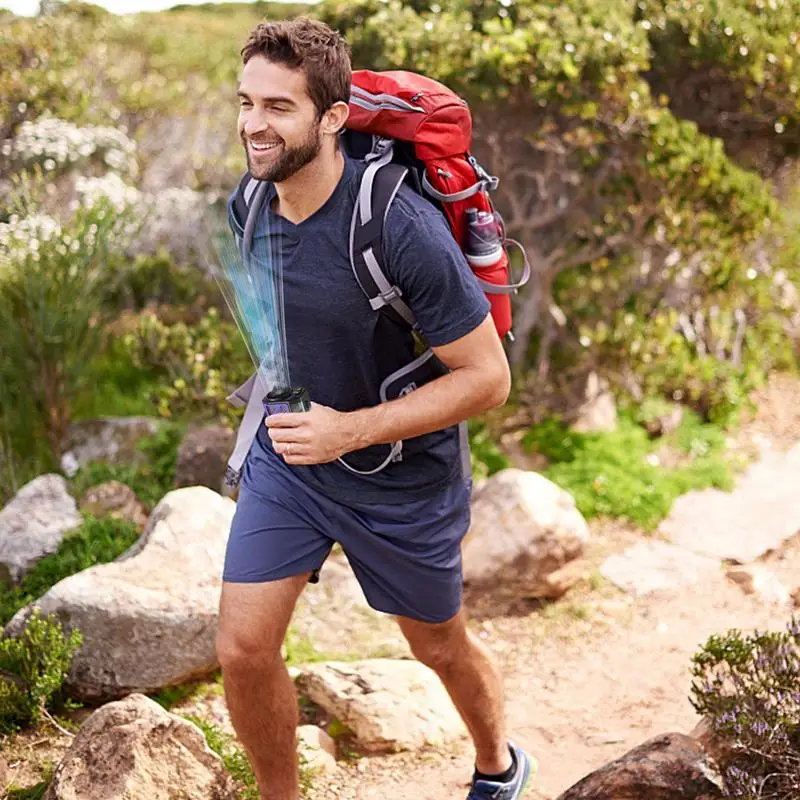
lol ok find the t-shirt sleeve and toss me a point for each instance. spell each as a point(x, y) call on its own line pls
point(427, 264)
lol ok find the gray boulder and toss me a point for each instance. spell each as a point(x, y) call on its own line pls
point(524, 528)
point(149, 618)
point(134, 749)
point(203, 456)
point(33, 525)
point(111, 439)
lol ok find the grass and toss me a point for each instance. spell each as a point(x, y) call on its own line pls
point(236, 763)
point(616, 474)
point(171, 696)
point(95, 542)
point(29, 793)
point(299, 649)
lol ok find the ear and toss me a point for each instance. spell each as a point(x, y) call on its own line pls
point(334, 119)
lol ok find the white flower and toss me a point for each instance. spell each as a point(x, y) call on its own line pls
point(61, 141)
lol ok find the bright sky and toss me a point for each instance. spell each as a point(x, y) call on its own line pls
point(30, 7)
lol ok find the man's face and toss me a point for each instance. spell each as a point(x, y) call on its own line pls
point(278, 121)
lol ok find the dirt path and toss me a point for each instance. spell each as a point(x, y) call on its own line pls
point(599, 672)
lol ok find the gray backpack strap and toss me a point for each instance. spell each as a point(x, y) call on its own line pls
point(248, 199)
point(249, 394)
point(380, 183)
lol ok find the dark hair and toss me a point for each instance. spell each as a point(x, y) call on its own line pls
point(322, 54)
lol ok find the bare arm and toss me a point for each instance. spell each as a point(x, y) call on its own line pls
point(479, 380)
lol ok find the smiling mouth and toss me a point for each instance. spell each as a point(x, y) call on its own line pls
point(263, 147)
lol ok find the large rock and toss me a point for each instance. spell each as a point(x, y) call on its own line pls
point(316, 748)
point(149, 618)
point(390, 705)
point(203, 457)
point(524, 528)
point(134, 749)
point(111, 439)
point(669, 767)
point(743, 525)
point(33, 525)
point(116, 500)
point(654, 566)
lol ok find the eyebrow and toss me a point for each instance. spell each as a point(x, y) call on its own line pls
point(268, 100)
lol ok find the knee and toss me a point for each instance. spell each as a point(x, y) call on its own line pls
point(237, 651)
point(439, 650)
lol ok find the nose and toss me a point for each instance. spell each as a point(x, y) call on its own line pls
point(253, 122)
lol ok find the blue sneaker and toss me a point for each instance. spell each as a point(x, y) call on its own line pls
point(515, 788)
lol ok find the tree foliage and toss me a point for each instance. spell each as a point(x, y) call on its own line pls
point(642, 231)
point(632, 139)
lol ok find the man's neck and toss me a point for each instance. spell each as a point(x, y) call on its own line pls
point(309, 189)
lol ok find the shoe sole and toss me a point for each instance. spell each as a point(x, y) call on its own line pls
point(531, 769)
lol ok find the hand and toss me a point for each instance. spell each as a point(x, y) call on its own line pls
point(311, 437)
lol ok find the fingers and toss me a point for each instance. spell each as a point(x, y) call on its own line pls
point(284, 420)
point(288, 435)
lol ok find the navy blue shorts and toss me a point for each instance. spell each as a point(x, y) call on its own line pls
point(407, 557)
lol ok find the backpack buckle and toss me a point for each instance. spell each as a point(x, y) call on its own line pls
point(385, 298)
point(489, 182)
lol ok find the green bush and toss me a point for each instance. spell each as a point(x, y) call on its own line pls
point(54, 286)
point(615, 474)
point(487, 458)
point(646, 237)
point(97, 541)
point(746, 686)
point(199, 364)
point(115, 386)
point(151, 479)
point(33, 668)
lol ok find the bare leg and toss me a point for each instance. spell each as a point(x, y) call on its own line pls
point(259, 692)
point(472, 679)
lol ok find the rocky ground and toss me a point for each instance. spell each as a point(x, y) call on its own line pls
point(589, 676)
point(600, 671)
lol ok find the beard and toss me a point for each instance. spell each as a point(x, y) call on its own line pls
point(290, 161)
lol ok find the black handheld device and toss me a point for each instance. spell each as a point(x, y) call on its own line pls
point(287, 400)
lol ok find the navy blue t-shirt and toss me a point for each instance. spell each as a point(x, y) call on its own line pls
point(341, 350)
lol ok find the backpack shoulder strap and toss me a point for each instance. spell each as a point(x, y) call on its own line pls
point(243, 197)
point(379, 185)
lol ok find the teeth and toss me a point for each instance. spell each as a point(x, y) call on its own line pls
point(263, 146)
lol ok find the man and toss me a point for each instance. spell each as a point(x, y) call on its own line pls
point(401, 527)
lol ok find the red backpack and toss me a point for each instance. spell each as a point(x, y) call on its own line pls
point(413, 129)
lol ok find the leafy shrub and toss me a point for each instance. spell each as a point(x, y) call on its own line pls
point(97, 541)
point(150, 480)
point(747, 686)
point(201, 364)
point(616, 474)
point(487, 458)
point(115, 386)
point(54, 283)
point(33, 667)
point(644, 240)
point(156, 279)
